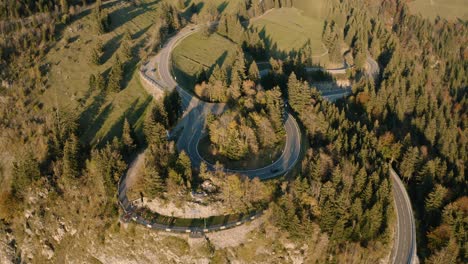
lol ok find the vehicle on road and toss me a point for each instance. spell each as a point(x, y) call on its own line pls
point(274, 170)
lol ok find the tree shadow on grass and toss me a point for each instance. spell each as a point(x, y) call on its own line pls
point(132, 114)
point(140, 33)
point(123, 15)
point(221, 7)
point(91, 125)
point(192, 9)
point(111, 47)
point(131, 65)
point(220, 61)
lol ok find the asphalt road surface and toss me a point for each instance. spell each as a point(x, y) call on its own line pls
point(404, 249)
point(192, 130)
point(192, 126)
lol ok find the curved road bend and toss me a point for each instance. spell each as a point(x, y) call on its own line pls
point(196, 111)
point(404, 250)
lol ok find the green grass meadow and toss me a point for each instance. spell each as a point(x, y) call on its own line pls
point(100, 116)
point(289, 29)
point(313, 8)
point(223, 6)
point(198, 52)
point(449, 9)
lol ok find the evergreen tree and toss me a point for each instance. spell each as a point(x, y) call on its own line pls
point(126, 51)
point(100, 82)
point(184, 168)
point(238, 69)
point(110, 166)
point(159, 114)
point(154, 184)
point(127, 139)
point(218, 75)
point(172, 105)
point(254, 73)
point(299, 94)
point(275, 107)
point(115, 77)
point(155, 132)
point(92, 82)
point(25, 171)
point(64, 6)
point(71, 158)
point(435, 199)
point(96, 56)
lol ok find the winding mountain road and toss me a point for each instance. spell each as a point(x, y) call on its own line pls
point(404, 248)
point(192, 130)
point(192, 124)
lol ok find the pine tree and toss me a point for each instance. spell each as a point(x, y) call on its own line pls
point(96, 56)
point(154, 184)
point(92, 82)
point(126, 51)
point(410, 162)
point(64, 6)
point(238, 69)
point(127, 139)
point(254, 73)
point(235, 30)
point(159, 114)
point(25, 171)
point(299, 94)
point(218, 75)
point(115, 77)
point(127, 37)
point(175, 183)
point(71, 158)
point(100, 82)
point(203, 172)
point(275, 107)
point(155, 133)
point(172, 105)
point(435, 199)
point(176, 20)
point(184, 167)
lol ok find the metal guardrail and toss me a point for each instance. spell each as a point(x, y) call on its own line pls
point(131, 214)
point(194, 229)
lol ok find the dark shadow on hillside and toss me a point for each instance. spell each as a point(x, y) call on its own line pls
point(131, 65)
point(221, 7)
point(82, 14)
point(61, 27)
point(123, 15)
point(220, 61)
point(140, 33)
point(272, 49)
point(111, 47)
point(132, 113)
point(91, 125)
point(192, 9)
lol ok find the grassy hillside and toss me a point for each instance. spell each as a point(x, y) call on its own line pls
point(312, 8)
point(223, 6)
point(289, 29)
point(449, 9)
point(197, 52)
point(70, 68)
